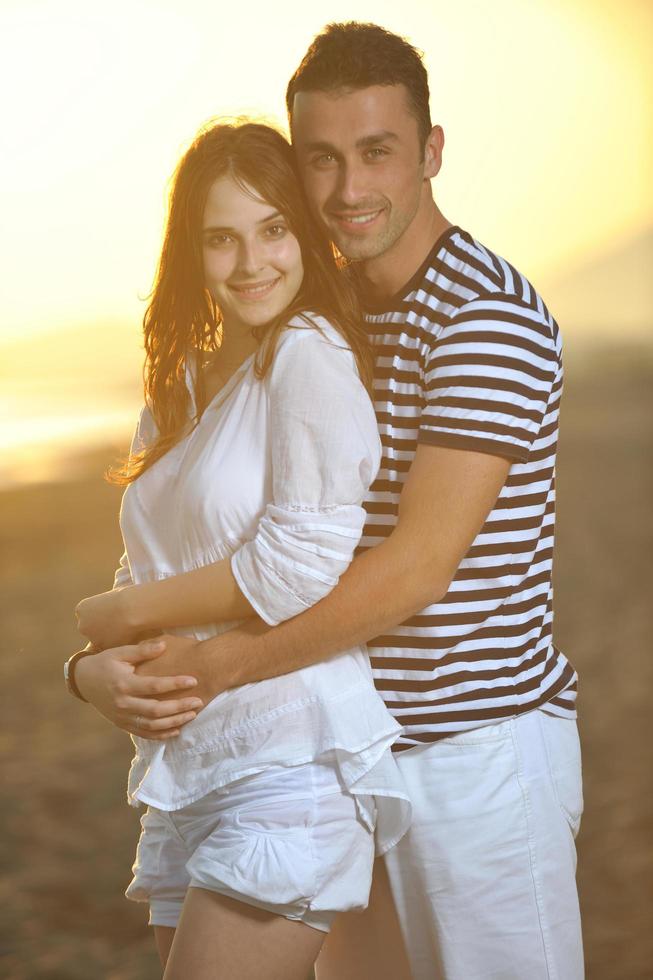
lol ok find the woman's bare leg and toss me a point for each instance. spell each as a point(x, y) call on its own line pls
point(366, 944)
point(163, 936)
point(218, 937)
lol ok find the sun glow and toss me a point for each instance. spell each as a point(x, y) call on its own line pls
point(548, 156)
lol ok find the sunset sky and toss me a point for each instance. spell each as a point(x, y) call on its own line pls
point(545, 106)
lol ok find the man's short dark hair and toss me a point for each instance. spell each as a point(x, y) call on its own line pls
point(353, 55)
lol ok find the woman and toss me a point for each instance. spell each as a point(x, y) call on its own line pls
point(245, 484)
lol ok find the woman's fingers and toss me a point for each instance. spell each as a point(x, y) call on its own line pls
point(146, 710)
point(164, 724)
point(144, 687)
point(159, 737)
point(147, 650)
point(159, 729)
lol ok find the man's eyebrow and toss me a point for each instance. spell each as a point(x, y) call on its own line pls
point(383, 137)
point(212, 229)
point(319, 146)
point(322, 146)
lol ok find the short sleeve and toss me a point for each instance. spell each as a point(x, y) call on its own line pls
point(488, 379)
point(325, 453)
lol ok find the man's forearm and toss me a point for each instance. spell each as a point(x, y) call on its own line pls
point(444, 505)
point(381, 588)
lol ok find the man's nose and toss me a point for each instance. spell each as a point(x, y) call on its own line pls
point(351, 184)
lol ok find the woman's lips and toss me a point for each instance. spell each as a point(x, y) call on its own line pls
point(252, 292)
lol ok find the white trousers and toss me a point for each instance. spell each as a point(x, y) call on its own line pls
point(484, 880)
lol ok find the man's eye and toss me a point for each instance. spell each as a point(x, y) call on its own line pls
point(323, 160)
point(376, 153)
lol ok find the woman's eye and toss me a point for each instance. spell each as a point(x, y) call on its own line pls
point(219, 241)
point(275, 231)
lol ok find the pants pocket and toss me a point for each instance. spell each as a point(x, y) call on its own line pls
point(564, 758)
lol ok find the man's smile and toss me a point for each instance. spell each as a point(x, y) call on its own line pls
point(356, 219)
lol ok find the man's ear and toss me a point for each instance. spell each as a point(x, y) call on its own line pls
point(433, 152)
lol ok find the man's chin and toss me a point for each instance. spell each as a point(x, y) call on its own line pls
point(358, 251)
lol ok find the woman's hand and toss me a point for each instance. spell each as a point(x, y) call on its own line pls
point(150, 707)
point(104, 619)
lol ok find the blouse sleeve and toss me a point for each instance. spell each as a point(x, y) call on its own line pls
point(145, 431)
point(325, 453)
point(123, 575)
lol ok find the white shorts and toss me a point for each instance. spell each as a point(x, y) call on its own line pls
point(288, 840)
point(484, 880)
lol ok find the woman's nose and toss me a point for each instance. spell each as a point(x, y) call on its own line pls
point(250, 259)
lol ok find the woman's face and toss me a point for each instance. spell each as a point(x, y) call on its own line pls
point(252, 261)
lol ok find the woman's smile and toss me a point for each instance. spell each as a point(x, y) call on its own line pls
point(253, 292)
point(252, 260)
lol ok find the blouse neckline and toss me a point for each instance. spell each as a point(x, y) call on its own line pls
point(222, 393)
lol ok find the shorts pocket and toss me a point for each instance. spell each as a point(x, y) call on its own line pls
point(564, 758)
point(260, 854)
point(279, 817)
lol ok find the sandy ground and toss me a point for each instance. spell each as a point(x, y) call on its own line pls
point(69, 837)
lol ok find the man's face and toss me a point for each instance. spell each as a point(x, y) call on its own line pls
point(362, 164)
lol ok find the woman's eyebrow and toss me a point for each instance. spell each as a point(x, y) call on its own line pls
point(212, 229)
point(269, 217)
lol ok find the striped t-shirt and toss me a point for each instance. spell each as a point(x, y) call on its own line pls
point(469, 357)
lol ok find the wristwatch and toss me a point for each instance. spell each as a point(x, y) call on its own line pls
point(69, 673)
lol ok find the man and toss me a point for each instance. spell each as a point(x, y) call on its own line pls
point(452, 588)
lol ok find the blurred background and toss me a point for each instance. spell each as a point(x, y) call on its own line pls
point(546, 108)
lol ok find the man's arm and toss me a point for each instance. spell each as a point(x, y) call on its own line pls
point(444, 503)
point(488, 382)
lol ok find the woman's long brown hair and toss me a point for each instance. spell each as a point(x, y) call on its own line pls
point(181, 319)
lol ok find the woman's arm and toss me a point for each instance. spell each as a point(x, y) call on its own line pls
point(107, 681)
point(205, 595)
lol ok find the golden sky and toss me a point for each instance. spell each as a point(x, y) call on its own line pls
point(545, 106)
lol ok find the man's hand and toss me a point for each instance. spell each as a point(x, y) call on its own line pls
point(181, 654)
point(151, 707)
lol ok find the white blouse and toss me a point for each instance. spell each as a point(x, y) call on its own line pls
point(273, 477)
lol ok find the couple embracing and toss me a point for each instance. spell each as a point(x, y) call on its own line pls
point(338, 520)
